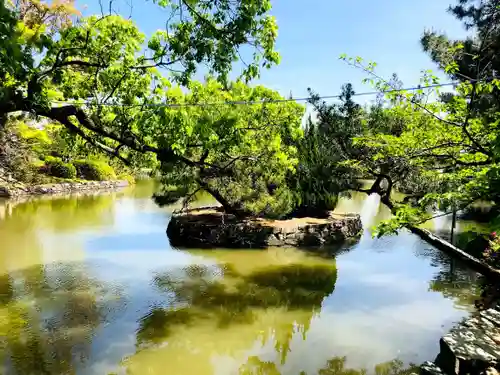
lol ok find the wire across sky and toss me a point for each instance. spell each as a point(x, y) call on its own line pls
point(265, 101)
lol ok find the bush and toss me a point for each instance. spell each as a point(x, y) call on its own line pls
point(94, 170)
point(57, 168)
point(492, 252)
point(126, 177)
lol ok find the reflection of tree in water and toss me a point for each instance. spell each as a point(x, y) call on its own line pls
point(61, 213)
point(229, 297)
point(225, 298)
point(334, 366)
point(255, 366)
point(454, 279)
point(50, 314)
point(69, 212)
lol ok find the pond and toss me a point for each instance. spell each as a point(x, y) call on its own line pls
point(90, 285)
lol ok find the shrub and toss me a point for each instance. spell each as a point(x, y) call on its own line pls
point(492, 252)
point(57, 168)
point(126, 177)
point(94, 170)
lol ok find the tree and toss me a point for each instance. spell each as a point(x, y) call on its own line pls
point(319, 178)
point(345, 158)
point(109, 52)
point(117, 100)
point(238, 150)
point(448, 147)
point(475, 58)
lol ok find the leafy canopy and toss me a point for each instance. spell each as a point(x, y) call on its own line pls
point(239, 151)
point(130, 96)
point(448, 148)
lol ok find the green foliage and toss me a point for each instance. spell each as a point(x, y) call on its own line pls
point(18, 161)
point(338, 150)
point(36, 139)
point(445, 156)
point(65, 145)
point(492, 252)
point(33, 153)
point(101, 59)
point(94, 170)
point(57, 168)
point(320, 177)
point(197, 32)
point(126, 177)
point(238, 154)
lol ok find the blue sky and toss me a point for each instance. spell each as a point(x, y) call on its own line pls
point(313, 33)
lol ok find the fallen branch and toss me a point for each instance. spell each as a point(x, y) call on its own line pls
point(475, 263)
point(443, 245)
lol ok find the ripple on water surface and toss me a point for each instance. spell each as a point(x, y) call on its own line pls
point(90, 285)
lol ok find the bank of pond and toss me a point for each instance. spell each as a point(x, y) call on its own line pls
point(90, 284)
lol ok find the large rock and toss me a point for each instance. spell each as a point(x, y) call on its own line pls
point(472, 347)
point(212, 228)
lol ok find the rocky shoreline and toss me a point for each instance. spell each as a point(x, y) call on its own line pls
point(210, 228)
point(60, 188)
point(471, 347)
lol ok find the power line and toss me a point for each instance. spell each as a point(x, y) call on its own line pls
point(264, 101)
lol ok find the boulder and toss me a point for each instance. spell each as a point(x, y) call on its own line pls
point(5, 192)
point(211, 228)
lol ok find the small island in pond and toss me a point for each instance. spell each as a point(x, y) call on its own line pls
point(211, 227)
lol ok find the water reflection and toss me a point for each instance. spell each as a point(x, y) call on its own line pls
point(334, 366)
point(69, 213)
point(28, 227)
point(50, 315)
point(89, 285)
point(273, 302)
point(234, 297)
point(453, 279)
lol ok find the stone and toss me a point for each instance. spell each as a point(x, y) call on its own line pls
point(430, 368)
point(62, 188)
point(274, 240)
point(210, 227)
point(471, 346)
point(492, 315)
point(5, 192)
point(491, 371)
point(41, 190)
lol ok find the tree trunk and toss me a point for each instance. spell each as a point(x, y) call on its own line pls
point(229, 208)
point(444, 245)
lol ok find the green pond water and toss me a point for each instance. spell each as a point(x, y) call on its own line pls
point(90, 285)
